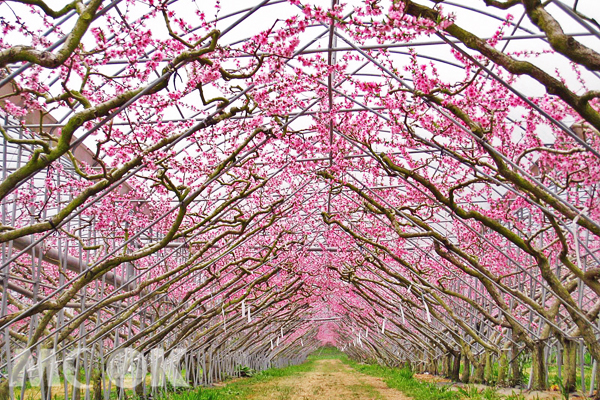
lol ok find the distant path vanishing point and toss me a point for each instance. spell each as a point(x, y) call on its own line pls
point(329, 380)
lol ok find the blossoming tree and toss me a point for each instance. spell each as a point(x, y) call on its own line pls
point(401, 180)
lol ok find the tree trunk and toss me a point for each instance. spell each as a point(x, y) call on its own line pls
point(97, 385)
point(4, 390)
point(489, 367)
point(446, 365)
point(466, 372)
point(479, 371)
point(569, 372)
point(423, 364)
point(538, 371)
point(516, 378)
point(503, 368)
point(455, 373)
point(433, 366)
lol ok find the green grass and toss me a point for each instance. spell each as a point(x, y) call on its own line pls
point(242, 388)
point(326, 353)
point(397, 378)
point(403, 380)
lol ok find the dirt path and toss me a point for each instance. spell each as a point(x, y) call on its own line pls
point(330, 379)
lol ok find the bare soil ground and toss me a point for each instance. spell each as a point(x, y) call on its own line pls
point(330, 379)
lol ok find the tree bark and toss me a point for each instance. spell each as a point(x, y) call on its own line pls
point(489, 367)
point(466, 372)
point(479, 371)
point(503, 368)
point(538, 370)
point(516, 378)
point(569, 365)
point(455, 372)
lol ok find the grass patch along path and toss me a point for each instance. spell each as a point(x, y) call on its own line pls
point(321, 377)
point(330, 375)
point(328, 379)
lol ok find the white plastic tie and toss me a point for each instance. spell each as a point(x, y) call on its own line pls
point(402, 314)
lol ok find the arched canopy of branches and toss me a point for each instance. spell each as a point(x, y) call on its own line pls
point(414, 182)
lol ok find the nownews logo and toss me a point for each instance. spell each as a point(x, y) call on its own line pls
point(125, 367)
